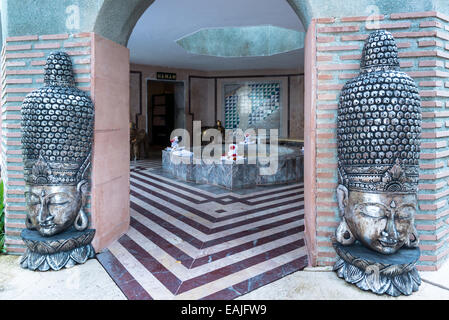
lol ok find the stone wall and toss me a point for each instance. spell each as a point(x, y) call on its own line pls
point(422, 39)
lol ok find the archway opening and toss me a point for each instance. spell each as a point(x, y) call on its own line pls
point(189, 68)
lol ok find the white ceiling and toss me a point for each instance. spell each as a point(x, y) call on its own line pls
point(153, 40)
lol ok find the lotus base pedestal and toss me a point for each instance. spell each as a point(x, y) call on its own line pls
point(369, 270)
point(60, 251)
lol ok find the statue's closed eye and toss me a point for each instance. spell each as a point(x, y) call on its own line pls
point(406, 213)
point(60, 199)
point(371, 211)
point(32, 199)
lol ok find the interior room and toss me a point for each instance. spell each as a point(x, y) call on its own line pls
point(184, 58)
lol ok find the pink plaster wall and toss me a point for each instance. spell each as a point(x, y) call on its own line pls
point(310, 144)
point(110, 165)
point(296, 108)
point(203, 101)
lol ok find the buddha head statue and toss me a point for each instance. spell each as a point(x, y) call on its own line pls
point(57, 123)
point(378, 136)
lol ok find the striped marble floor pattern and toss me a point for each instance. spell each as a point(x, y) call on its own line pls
point(191, 243)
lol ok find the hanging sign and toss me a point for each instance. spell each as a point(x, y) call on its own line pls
point(165, 76)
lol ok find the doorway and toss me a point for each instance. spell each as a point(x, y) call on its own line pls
point(165, 113)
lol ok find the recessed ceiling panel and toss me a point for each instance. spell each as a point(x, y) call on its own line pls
point(252, 41)
point(153, 40)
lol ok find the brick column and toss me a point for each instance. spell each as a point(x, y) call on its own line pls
point(23, 59)
point(422, 39)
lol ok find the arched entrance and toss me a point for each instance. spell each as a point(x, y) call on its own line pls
point(116, 21)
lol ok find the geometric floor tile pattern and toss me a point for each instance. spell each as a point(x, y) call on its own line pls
point(202, 242)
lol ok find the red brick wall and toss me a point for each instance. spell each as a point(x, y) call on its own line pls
point(423, 44)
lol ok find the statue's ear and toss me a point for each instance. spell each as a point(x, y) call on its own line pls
point(82, 188)
point(343, 233)
point(342, 198)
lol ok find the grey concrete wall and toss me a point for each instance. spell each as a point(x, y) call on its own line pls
point(41, 17)
point(115, 19)
point(308, 9)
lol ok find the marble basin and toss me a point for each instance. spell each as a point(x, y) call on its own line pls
point(245, 173)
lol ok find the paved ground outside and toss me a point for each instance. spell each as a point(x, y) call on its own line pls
point(91, 282)
point(83, 282)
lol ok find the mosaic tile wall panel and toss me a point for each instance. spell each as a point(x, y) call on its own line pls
point(263, 99)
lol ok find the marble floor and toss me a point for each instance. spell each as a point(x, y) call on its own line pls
point(189, 241)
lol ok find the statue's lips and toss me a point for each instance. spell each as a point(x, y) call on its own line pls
point(47, 225)
point(388, 242)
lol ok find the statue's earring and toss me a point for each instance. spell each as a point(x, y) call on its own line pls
point(29, 224)
point(413, 240)
point(81, 221)
point(344, 234)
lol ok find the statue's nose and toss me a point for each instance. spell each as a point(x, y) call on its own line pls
point(390, 229)
point(44, 214)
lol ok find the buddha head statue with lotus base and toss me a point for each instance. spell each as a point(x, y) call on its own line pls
point(378, 135)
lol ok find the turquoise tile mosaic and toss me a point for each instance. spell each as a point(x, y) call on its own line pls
point(263, 99)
